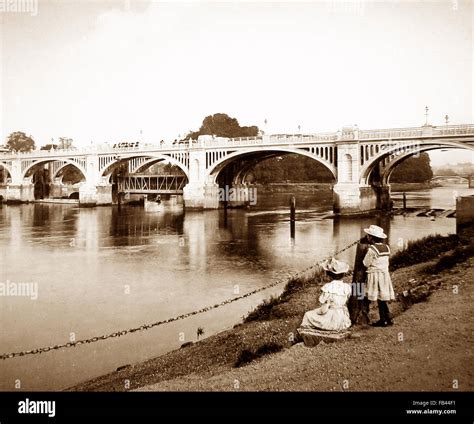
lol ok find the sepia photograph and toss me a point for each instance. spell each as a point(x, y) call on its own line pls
point(256, 205)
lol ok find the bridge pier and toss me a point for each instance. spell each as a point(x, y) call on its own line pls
point(201, 196)
point(20, 193)
point(350, 198)
point(98, 195)
point(347, 198)
point(349, 195)
point(384, 200)
point(56, 188)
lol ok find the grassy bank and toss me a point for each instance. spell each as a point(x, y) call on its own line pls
point(428, 349)
point(271, 327)
point(424, 249)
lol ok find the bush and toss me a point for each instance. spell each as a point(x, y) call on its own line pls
point(459, 255)
point(318, 276)
point(424, 249)
point(263, 311)
point(247, 356)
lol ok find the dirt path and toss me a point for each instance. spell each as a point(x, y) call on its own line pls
point(428, 349)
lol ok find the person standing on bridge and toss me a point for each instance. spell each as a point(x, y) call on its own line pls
point(379, 284)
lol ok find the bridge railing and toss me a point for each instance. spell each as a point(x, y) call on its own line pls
point(237, 141)
point(454, 130)
point(390, 134)
point(362, 135)
point(393, 133)
point(101, 148)
point(272, 139)
point(302, 138)
point(40, 153)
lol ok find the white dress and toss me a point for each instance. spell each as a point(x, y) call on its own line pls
point(379, 284)
point(333, 314)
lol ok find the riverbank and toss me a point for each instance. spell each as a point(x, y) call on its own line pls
point(410, 186)
point(293, 187)
point(318, 187)
point(372, 359)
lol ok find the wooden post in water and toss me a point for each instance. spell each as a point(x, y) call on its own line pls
point(292, 216)
point(404, 200)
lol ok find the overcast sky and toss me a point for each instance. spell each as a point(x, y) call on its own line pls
point(106, 70)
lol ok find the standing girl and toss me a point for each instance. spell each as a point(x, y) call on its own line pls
point(379, 284)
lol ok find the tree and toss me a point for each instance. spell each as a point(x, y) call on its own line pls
point(161, 168)
point(199, 332)
point(222, 125)
point(72, 175)
point(462, 169)
point(65, 143)
point(413, 170)
point(290, 167)
point(19, 142)
point(49, 147)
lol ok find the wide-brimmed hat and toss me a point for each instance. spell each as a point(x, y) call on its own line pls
point(376, 231)
point(335, 266)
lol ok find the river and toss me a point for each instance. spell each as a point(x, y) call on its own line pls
point(100, 270)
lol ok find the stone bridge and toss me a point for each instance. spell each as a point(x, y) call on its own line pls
point(361, 162)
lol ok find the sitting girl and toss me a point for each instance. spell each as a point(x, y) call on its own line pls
point(333, 314)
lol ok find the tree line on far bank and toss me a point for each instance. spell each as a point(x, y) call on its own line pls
point(298, 168)
point(18, 141)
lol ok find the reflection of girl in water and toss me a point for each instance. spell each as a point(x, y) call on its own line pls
point(332, 314)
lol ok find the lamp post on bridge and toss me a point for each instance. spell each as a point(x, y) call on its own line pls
point(426, 115)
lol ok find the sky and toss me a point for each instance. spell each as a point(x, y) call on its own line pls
point(121, 70)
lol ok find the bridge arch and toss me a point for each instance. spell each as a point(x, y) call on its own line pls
point(147, 160)
point(4, 166)
point(387, 160)
point(62, 167)
point(29, 167)
point(255, 156)
point(152, 161)
point(241, 175)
